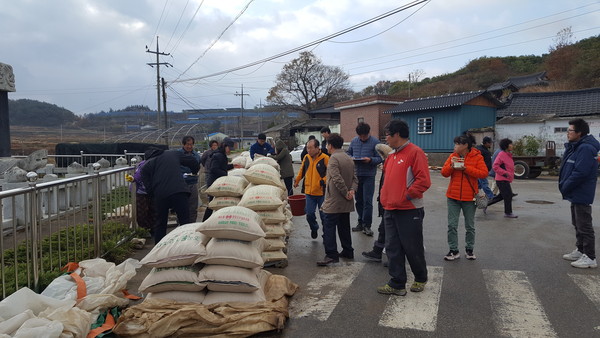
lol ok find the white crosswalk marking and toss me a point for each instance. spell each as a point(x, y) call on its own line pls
point(517, 309)
point(417, 310)
point(324, 291)
point(590, 285)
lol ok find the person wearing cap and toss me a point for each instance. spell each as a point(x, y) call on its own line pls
point(219, 165)
point(261, 147)
point(484, 149)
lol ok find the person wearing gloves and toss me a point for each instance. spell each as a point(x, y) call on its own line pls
point(464, 167)
point(283, 157)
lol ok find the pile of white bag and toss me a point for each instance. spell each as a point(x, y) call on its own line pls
point(63, 309)
point(216, 261)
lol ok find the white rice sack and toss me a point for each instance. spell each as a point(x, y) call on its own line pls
point(229, 278)
point(266, 160)
point(181, 278)
point(282, 195)
point(222, 202)
point(245, 154)
point(260, 244)
point(240, 161)
point(233, 253)
point(263, 174)
point(274, 231)
point(274, 244)
point(262, 197)
point(233, 223)
point(273, 256)
point(239, 172)
point(288, 226)
point(213, 297)
point(227, 186)
point(179, 296)
point(177, 248)
point(272, 216)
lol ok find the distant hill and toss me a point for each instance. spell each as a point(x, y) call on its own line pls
point(571, 67)
point(25, 112)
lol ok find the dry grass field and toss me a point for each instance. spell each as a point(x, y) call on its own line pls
point(25, 140)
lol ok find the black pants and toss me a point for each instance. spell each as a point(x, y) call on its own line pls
point(505, 194)
point(208, 211)
point(404, 241)
point(380, 242)
point(341, 222)
point(289, 185)
point(581, 218)
point(179, 203)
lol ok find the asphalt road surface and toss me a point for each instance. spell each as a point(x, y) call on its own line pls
point(519, 286)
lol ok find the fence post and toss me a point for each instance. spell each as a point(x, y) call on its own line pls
point(97, 210)
point(33, 213)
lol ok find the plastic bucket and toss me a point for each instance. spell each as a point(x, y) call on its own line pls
point(297, 203)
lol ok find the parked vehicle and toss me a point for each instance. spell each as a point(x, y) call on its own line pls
point(531, 166)
point(296, 153)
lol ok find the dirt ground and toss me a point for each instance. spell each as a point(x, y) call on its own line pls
point(25, 140)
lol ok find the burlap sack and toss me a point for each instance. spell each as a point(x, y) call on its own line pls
point(232, 186)
point(233, 223)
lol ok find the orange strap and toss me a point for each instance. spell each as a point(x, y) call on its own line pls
point(70, 267)
point(130, 296)
point(81, 288)
point(109, 323)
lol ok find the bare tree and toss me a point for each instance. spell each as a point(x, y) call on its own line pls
point(415, 75)
point(563, 38)
point(305, 83)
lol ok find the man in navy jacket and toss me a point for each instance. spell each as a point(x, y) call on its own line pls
point(366, 159)
point(577, 184)
point(261, 147)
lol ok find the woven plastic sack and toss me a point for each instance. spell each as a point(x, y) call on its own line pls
point(262, 197)
point(233, 223)
point(263, 174)
point(266, 160)
point(233, 253)
point(232, 186)
point(222, 202)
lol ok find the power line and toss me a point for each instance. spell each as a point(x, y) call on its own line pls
point(316, 42)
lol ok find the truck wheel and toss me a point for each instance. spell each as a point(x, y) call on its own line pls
point(521, 170)
point(534, 172)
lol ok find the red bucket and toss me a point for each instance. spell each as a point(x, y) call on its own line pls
point(297, 202)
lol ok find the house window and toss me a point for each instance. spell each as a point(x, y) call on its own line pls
point(361, 120)
point(560, 130)
point(425, 125)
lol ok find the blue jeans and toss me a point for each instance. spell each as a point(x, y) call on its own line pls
point(313, 202)
point(483, 184)
point(364, 200)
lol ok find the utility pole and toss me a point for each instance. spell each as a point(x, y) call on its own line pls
point(158, 64)
point(409, 85)
point(242, 117)
point(165, 111)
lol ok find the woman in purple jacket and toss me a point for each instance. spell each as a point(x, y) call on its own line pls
point(504, 167)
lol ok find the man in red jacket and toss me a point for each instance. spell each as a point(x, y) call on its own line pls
point(406, 178)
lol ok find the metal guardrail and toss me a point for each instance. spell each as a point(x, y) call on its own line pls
point(53, 223)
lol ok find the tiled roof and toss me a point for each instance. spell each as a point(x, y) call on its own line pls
point(434, 102)
point(517, 82)
point(327, 110)
point(569, 103)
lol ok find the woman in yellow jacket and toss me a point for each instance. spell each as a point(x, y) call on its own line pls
point(313, 170)
point(464, 166)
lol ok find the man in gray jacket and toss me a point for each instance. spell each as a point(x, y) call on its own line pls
point(339, 194)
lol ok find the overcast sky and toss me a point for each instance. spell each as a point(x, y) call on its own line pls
point(89, 56)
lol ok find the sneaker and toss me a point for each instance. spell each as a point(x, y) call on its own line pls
point(573, 256)
point(388, 290)
point(511, 216)
point(314, 234)
point(367, 231)
point(327, 261)
point(358, 227)
point(348, 255)
point(372, 256)
point(417, 287)
point(470, 255)
point(452, 255)
point(585, 262)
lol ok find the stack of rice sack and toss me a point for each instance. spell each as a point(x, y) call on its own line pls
point(243, 160)
point(227, 191)
point(174, 259)
point(232, 270)
point(267, 196)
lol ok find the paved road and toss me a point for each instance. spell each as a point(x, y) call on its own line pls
point(519, 286)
